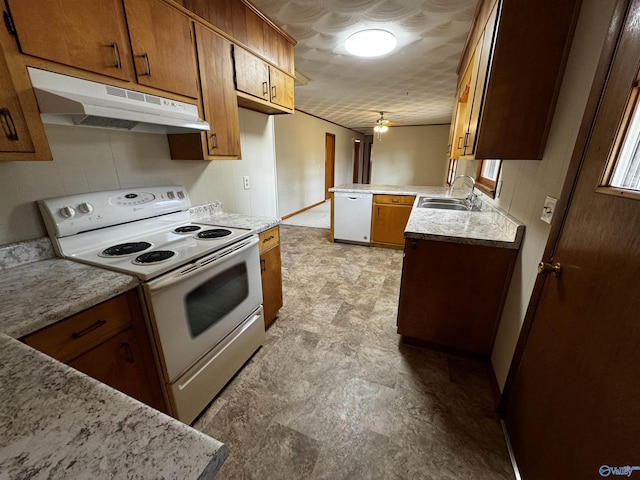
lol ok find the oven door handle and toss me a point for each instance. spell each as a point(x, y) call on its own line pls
point(210, 261)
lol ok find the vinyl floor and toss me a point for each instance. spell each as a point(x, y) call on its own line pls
point(334, 394)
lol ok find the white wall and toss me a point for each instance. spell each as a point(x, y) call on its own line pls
point(410, 156)
point(300, 153)
point(527, 183)
point(87, 159)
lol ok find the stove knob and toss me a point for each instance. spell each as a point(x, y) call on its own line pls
point(171, 195)
point(85, 207)
point(67, 212)
point(180, 194)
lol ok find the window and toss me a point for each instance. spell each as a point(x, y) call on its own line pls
point(487, 176)
point(451, 172)
point(622, 173)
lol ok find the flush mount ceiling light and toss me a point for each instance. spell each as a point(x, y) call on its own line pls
point(370, 43)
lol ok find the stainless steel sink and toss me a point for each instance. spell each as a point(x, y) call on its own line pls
point(446, 204)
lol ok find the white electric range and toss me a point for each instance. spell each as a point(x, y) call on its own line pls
point(201, 283)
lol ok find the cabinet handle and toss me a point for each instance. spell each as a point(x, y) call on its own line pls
point(214, 137)
point(466, 140)
point(12, 133)
point(145, 56)
point(263, 265)
point(90, 328)
point(274, 92)
point(394, 200)
point(116, 54)
point(128, 352)
point(268, 238)
point(459, 142)
point(265, 88)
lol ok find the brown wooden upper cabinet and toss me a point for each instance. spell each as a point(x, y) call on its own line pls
point(98, 37)
point(22, 135)
point(255, 78)
point(509, 78)
point(163, 47)
point(219, 104)
point(87, 34)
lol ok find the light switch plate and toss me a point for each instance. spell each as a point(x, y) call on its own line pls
point(548, 209)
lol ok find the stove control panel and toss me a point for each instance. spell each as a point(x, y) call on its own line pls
point(73, 214)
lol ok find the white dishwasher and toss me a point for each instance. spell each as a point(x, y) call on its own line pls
point(352, 217)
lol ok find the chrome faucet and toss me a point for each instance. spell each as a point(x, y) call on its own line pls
point(471, 197)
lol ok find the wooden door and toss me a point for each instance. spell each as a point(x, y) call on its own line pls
point(356, 161)
point(329, 163)
point(87, 34)
point(574, 394)
point(252, 74)
point(281, 86)
point(163, 48)
point(218, 93)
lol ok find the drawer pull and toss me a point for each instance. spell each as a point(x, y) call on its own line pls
point(12, 133)
point(90, 328)
point(268, 238)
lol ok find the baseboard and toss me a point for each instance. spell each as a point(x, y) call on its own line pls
point(514, 464)
point(284, 217)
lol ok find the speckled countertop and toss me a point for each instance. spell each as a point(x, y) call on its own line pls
point(489, 227)
point(38, 294)
point(55, 421)
point(257, 224)
point(59, 423)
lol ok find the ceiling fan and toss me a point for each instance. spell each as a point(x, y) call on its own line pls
point(382, 125)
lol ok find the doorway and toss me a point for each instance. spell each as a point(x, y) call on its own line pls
point(572, 407)
point(329, 163)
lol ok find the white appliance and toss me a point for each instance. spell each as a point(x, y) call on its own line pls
point(69, 100)
point(352, 217)
point(202, 285)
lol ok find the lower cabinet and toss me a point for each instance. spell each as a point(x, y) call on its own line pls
point(389, 219)
point(452, 294)
point(271, 268)
point(108, 342)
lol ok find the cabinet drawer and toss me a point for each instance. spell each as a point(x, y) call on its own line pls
point(269, 239)
point(75, 335)
point(394, 199)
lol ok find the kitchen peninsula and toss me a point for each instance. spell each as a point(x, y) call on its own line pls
point(457, 265)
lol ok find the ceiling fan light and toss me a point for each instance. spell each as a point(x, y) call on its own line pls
point(380, 128)
point(370, 43)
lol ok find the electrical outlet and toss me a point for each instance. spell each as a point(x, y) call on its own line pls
point(548, 209)
point(245, 180)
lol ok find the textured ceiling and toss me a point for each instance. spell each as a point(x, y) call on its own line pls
point(415, 83)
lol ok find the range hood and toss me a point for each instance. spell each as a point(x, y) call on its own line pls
point(68, 100)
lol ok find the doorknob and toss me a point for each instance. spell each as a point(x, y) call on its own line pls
point(545, 268)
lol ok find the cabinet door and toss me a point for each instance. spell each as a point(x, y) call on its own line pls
point(281, 86)
point(87, 34)
point(218, 93)
point(389, 222)
point(252, 74)
point(270, 264)
point(118, 362)
point(163, 48)
point(481, 68)
point(14, 133)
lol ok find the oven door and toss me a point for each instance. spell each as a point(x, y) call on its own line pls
point(196, 306)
